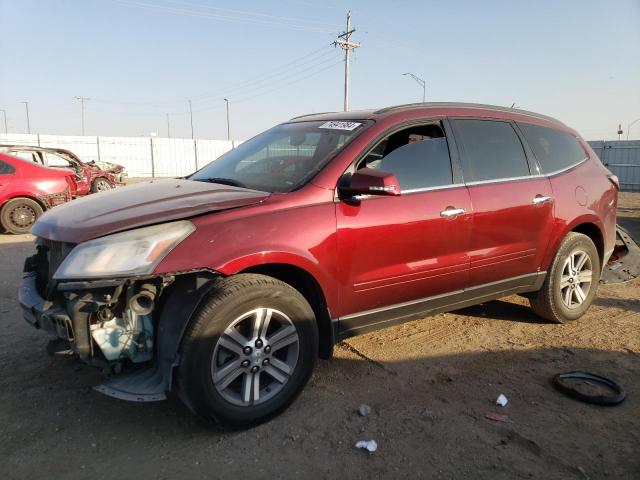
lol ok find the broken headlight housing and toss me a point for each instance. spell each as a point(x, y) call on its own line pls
point(135, 252)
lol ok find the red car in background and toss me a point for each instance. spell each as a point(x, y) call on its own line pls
point(90, 177)
point(27, 190)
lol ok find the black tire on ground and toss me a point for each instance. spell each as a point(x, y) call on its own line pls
point(100, 185)
point(201, 349)
point(552, 300)
point(19, 214)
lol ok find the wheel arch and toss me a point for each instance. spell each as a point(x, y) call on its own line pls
point(588, 225)
point(27, 196)
point(592, 231)
point(310, 288)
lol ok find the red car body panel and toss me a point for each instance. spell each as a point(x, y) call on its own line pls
point(392, 250)
point(45, 185)
point(386, 250)
point(142, 204)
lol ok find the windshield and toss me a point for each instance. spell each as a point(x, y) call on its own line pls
point(283, 158)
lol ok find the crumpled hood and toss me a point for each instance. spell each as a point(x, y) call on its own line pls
point(138, 205)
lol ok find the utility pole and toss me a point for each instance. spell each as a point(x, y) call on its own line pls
point(347, 46)
point(228, 128)
point(191, 116)
point(82, 99)
point(168, 127)
point(26, 106)
point(4, 112)
point(423, 84)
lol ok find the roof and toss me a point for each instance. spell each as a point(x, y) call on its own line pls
point(372, 114)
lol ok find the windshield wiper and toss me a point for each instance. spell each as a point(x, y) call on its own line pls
point(225, 181)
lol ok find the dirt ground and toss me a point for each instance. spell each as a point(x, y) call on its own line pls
point(429, 384)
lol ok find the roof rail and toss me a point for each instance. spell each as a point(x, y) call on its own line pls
point(410, 106)
point(310, 115)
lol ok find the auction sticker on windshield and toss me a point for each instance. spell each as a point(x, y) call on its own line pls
point(335, 125)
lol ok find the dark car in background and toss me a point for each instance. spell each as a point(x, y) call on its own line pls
point(227, 284)
point(90, 177)
point(27, 190)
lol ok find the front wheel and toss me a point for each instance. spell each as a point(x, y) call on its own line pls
point(248, 351)
point(571, 283)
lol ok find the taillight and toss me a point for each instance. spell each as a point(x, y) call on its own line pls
point(614, 180)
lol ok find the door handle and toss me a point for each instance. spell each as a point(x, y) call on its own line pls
point(539, 199)
point(451, 212)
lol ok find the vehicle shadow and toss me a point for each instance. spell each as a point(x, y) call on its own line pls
point(629, 304)
point(428, 416)
point(502, 310)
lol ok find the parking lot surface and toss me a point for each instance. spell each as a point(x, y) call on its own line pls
point(429, 384)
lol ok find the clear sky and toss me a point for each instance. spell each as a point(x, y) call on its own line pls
point(138, 60)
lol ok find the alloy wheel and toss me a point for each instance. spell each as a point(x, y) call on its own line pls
point(575, 282)
point(255, 357)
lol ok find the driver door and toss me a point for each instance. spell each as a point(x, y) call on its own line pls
point(411, 250)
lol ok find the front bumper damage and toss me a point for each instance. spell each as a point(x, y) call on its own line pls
point(134, 342)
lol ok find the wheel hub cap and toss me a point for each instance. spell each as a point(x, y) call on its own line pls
point(255, 356)
point(576, 278)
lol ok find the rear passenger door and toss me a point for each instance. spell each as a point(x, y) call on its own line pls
point(512, 202)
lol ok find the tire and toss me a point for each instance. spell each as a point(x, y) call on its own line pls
point(565, 295)
point(19, 214)
point(210, 344)
point(100, 185)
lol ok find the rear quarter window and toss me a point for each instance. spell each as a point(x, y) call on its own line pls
point(6, 169)
point(554, 150)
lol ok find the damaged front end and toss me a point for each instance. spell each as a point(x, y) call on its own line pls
point(130, 327)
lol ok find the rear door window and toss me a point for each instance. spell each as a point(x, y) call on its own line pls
point(491, 150)
point(554, 150)
point(6, 169)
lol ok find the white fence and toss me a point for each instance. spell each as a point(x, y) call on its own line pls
point(141, 156)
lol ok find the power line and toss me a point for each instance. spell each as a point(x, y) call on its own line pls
point(203, 14)
point(281, 70)
point(256, 14)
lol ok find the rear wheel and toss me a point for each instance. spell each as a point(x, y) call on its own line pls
point(19, 214)
point(248, 352)
point(571, 283)
point(100, 185)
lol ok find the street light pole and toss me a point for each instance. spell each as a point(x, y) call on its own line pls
point(4, 112)
point(228, 127)
point(628, 126)
point(26, 106)
point(420, 82)
point(168, 127)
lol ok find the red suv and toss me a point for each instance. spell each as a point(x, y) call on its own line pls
point(229, 283)
point(26, 190)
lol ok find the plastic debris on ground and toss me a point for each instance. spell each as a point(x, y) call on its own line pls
point(364, 410)
point(496, 417)
point(501, 400)
point(369, 445)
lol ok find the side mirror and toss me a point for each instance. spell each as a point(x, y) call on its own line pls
point(368, 181)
